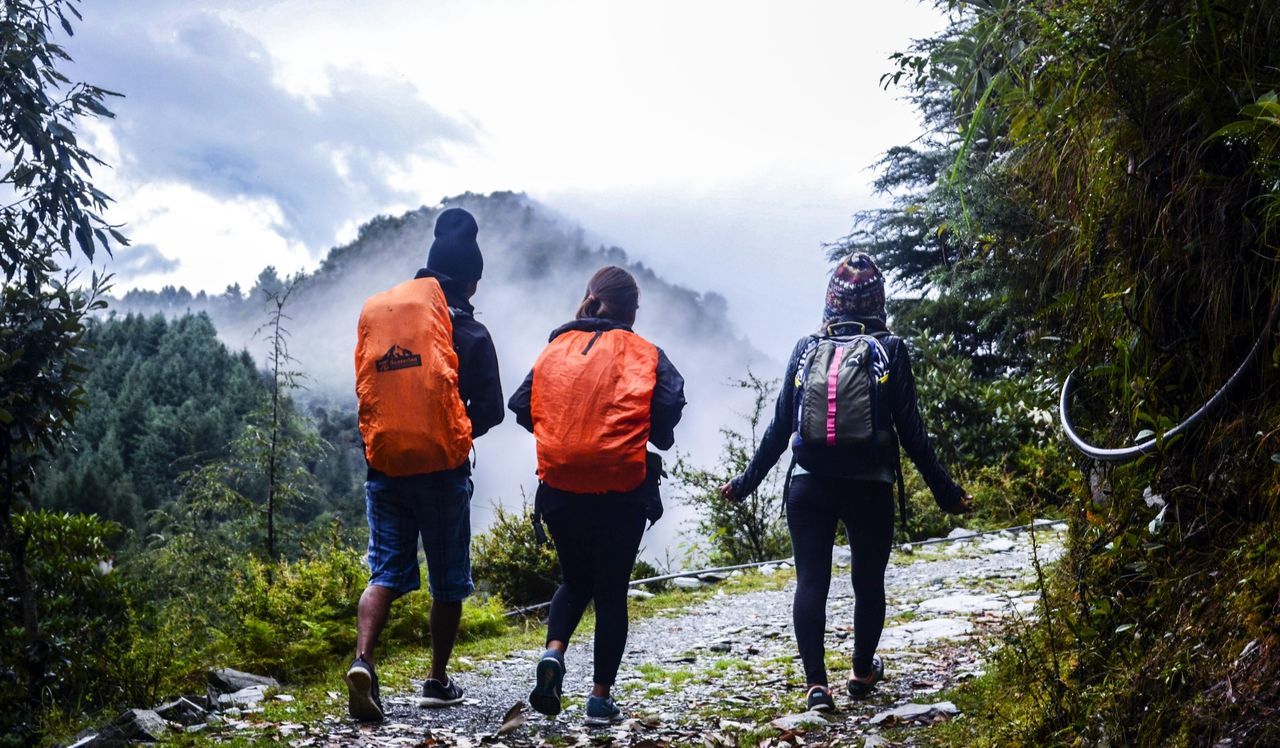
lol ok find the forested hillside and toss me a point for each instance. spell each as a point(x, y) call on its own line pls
point(164, 398)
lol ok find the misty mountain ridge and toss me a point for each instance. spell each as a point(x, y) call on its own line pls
point(536, 268)
point(528, 249)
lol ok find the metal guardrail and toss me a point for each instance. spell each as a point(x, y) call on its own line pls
point(719, 569)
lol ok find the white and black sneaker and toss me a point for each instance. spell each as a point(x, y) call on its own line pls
point(436, 694)
point(362, 692)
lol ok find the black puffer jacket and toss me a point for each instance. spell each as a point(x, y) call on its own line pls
point(900, 409)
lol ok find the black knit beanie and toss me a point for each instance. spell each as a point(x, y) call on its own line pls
point(455, 252)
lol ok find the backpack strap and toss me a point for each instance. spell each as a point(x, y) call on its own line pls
point(786, 487)
point(861, 329)
point(904, 509)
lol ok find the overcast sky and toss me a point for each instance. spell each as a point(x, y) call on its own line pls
point(720, 142)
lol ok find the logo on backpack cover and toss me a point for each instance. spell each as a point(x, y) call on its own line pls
point(398, 358)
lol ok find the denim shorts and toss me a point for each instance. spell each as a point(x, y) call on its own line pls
point(435, 507)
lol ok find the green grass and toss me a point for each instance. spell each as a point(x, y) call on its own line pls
point(399, 667)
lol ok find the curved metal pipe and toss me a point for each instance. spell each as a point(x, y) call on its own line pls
point(1125, 454)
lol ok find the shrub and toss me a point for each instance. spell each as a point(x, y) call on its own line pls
point(292, 614)
point(977, 422)
point(743, 531)
point(507, 562)
point(291, 618)
point(84, 622)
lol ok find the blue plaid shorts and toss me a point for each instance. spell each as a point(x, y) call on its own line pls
point(435, 507)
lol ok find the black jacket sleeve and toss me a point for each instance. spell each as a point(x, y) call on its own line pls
point(911, 431)
point(667, 405)
point(774, 441)
point(478, 381)
point(521, 403)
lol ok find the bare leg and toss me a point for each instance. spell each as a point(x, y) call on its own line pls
point(375, 604)
point(445, 619)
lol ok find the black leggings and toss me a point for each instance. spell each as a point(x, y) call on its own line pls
point(597, 539)
point(814, 505)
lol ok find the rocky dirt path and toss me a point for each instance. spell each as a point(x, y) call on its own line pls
point(725, 672)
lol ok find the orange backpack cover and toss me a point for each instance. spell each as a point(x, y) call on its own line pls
point(411, 415)
point(590, 405)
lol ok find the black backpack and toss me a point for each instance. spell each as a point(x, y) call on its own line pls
point(837, 396)
point(838, 391)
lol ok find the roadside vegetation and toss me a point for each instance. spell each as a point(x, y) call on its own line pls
point(1097, 193)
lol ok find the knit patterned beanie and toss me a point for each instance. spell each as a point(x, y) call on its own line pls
point(856, 290)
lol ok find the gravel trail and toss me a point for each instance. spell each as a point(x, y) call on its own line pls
point(720, 672)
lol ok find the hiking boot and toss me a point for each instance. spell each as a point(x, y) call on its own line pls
point(436, 694)
point(602, 711)
point(819, 700)
point(545, 697)
point(362, 692)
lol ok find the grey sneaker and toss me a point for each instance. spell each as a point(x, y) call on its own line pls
point(546, 693)
point(436, 694)
point(362, 692)
point(602, 711)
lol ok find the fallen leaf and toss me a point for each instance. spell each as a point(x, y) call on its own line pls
point(512, 719)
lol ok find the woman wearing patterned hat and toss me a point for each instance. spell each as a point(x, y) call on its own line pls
point(847, 402)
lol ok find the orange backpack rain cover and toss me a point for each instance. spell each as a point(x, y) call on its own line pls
point(590, 404)
point(411, 415)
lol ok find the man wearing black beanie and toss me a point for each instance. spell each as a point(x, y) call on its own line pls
point(435, 506)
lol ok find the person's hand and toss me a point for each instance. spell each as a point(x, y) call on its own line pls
point(727, 492)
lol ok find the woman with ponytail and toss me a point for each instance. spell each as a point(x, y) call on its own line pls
point(597, 395)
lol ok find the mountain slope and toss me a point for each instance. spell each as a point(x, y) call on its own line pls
point(536, 268)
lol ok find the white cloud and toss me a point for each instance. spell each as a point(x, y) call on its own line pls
point(721, 141)
point(212, 239)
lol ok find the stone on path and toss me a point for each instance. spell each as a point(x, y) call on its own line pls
point(959, 532)
point(133, 725)
point(227, 680)
point(841, 555)
point(638, 594)
point(244, 697)
point(999, 545)
point(965, 603)
point(924, 631)
point(688, 583)
point(924, 713)
point(183, 711)
point(802, 721)
point(875, 741)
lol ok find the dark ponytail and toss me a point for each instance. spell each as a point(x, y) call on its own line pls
point(612, 293)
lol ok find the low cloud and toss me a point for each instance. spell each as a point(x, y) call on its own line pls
point(129, 263)
point(202, 107)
